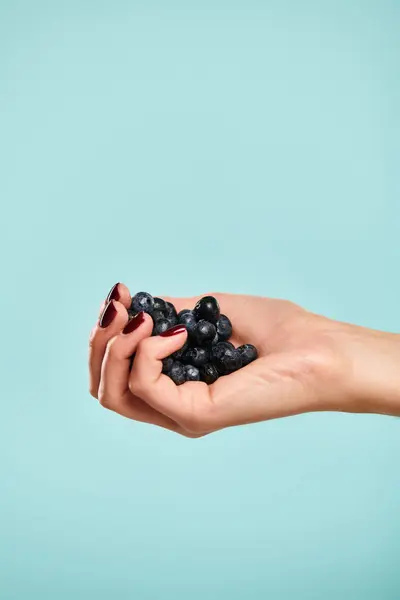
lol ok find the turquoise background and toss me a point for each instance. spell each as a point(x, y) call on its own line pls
point(183, 147)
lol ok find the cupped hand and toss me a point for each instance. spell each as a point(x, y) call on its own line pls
point(305, 364)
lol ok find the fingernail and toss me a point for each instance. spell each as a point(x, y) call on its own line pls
point(108, 315)
point(134, 323)
point(173, 331)
point(113, 294)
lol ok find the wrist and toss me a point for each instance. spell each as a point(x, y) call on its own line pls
point(371, 362)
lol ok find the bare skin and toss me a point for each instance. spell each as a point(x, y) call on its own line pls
point(306, 363)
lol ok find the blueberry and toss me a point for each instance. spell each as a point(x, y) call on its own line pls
point(215, 340)
point(179, 353)
point(204, 332)
point(218, 351)
point(157, 315)
point(177, 373)
point(167, 364)
point(248, 352)
point(209, 373)
point(226, 358)
point(208, 309)
point(230, 361)
point(160, 304)
point(192, 373)
point(224, 328)
point(142, 302)
point(196, 356)
point(170, 310)
point(187, 318)
point(160, 326)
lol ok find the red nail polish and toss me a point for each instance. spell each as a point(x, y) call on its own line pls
point(113, 293)
point(108, 315)
point(173, 331)
point(134, 323)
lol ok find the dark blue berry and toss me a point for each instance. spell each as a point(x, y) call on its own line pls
point(208, 309)
point(215, 340)
point(204, 332)
point(248, 352)
point(229, 362)
point(157, 315)
point(196, 356)
point(160, 326)
point(160, 304)
point(167, 364)
point(170, 310)
point(192, 373)
point(209, 373)
point(177, 373)
point(187, 318)
point(218, 351)
point(226, 358)
point(224, 328)
point(142, 301)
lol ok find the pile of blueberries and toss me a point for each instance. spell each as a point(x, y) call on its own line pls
point(207, 354)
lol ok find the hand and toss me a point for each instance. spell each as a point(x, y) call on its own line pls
point(306, 363)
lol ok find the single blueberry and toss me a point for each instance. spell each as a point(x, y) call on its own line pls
point(207, 308)
point(187, 318)
point(226, 358)
point(196, 356)
point(204, 332)
point(160, 326)
point(177, 373)
point(248, 352)
point(224, 328)
point(142, 301)
point(192, 373)
point(160, 304)
point(230, 361)
point(218, 351)
point(209, 373)
point(167, 364)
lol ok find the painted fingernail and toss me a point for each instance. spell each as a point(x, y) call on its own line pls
point(134, 323)
point(113, 294)
point(173, 331)
point(107, 315)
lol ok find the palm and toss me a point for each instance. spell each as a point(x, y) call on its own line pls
point(287, 337)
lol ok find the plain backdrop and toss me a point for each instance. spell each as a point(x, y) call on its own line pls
point(183, 147)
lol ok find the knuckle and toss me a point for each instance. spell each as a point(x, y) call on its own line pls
point(192, 436)
point(105, 399)
point(136, 386)
point(195, 423)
